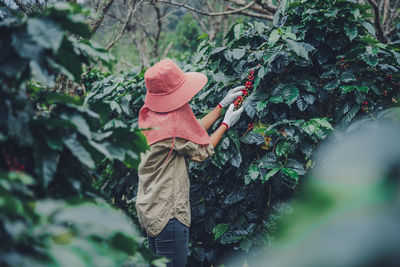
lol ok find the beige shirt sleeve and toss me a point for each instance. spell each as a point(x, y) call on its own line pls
point(193, 151)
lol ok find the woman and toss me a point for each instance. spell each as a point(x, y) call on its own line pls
point(175, 136)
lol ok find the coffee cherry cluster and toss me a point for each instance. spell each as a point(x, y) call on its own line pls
point(342, 63)
point(13, 164)
point(267, 140)
point(250, 126)
point(392, 80)
point(364, 106)
point(238, 102)
point(246, 91)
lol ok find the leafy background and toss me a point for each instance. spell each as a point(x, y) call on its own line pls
point(51, 212)
point(318, 68)
point(315, 69)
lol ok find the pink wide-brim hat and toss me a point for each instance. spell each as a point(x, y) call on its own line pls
point(169, 88)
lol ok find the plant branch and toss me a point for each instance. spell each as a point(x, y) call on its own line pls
point(256, 15)
point(159, 27)
point(132, 9)
point(200, 21)
point(95, 21)
point(21, 6)
point(235, 11)
point(264, 9)
point(385, 11)
point(167, 49)
point(380, 34)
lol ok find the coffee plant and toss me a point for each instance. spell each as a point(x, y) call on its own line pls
point(51, 212)
point(319, 67)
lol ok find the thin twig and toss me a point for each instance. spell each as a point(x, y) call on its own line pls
point(256, 15)
point(167, 49)
point(118, 35)
point(21, 6)
point(238, 10)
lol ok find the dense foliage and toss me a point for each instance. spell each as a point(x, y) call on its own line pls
point(51, 213)
point(64, 160)
point(319, 67)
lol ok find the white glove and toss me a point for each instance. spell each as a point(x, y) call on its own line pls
point(232, 116)
point(231, 96)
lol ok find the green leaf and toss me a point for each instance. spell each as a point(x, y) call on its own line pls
point(54, 97)
point(332, 85)
point(203, 36)
point(351, 31)
point(77, 25)
point(217, 50)
point(323, 122)
point(224, 143)
point(370, 59)
point(261, 105)
point(233, 236)
point(369, 27)
point(235, 196)
point(219, 230)
point(92, 50)
point(25, 46)
point(276, 99)
point(114, 106)
point(46, 164)
point(41, 74)
point(252, 174)
point(79, 152)
point(236, 160)
point(290, 173)
point(67, 57)
point(253, 138)
point(238, 29)
point(282, 148)
point(350, 114)
point(356, 12)
point(234, 137)
point(290, 93)
point(273, 38)
point(238, 53)
point(347, 77)
point(80, 123)
point(297, 48)
point(46, 33)
point(271, 53)
point(259, 26)
point(271, 173)
point(261, 73)
point(396, 56)
point(349, 88)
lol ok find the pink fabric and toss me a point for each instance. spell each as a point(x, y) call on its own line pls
point(178, 123)
point(169, 88)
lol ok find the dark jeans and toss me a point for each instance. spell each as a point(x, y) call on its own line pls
point(172, 243)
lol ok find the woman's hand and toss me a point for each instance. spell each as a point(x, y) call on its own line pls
point(232, 116)
point(231, 96)
point(208, 120)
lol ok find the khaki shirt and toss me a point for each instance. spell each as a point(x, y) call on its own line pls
point(163, 190)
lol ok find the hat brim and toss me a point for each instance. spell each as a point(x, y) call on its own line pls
point(194, 82)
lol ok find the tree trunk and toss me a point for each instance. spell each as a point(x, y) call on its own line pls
point(95, 21)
